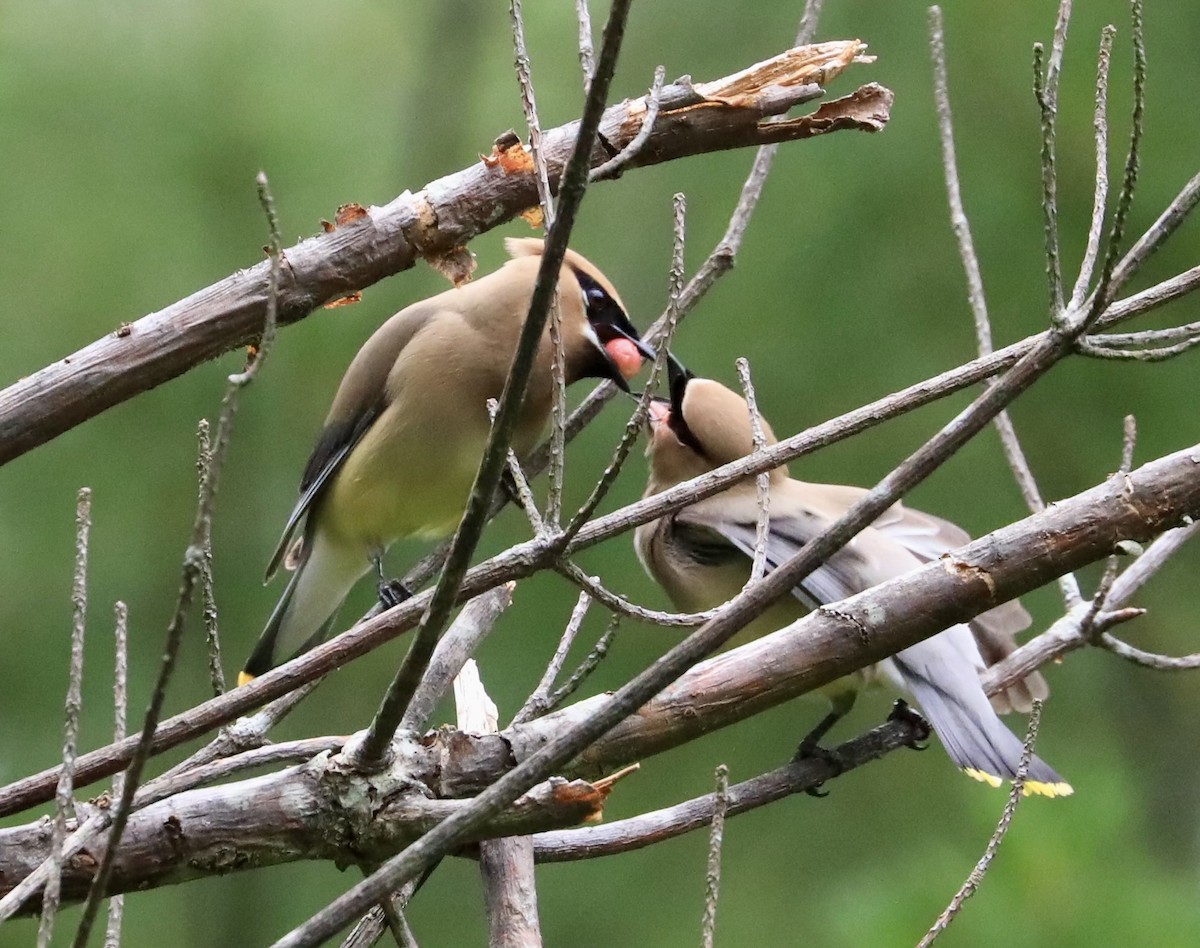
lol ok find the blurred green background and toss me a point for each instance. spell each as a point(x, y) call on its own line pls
point(130, 134)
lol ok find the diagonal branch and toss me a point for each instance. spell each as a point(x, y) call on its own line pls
point(433, 223)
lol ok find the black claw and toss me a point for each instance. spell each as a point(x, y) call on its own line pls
point(392, 592)
point(902, 711)
point(809, 749)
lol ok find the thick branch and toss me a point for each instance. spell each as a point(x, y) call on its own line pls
point(307, 812)
point(435, 223)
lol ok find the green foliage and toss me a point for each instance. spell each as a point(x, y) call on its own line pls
point(130, 135)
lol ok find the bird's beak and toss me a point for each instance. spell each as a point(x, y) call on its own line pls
point(623, 348)
point(678, 377)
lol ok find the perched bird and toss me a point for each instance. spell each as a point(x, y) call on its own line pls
point(404, 436)
point(701, 555)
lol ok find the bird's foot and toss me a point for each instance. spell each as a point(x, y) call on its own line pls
point(811, 749)
point(392, 592)
point(902, 711)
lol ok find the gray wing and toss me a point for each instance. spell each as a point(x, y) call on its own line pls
point(832, 581)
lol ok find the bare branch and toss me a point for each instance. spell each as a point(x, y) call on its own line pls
point(585, 668)
point(1014, 797)
point(65, 797)
point(587, 54)
point(211, 632)
point(616, 164)
point(716, 838)
point(529, 105)
point(1066, 634)
point(1013, 452)
point(762, 527)
point(646, 829)
point(116, 904)
point(432, 223)
point(619, 605)
point(1100, 198)
point(473, 625)
point(1114, 274)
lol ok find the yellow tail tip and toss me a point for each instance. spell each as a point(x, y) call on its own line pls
point(244, 678)
point(1037, 787)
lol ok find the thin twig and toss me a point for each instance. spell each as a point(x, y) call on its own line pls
point(587, 53)
point(193, 561)
point(1014, 798)
point(1065, 634)
point(64, 808)
point(373, 748)
point(1114, 274)
point(762, 528)
point(585, 668)
point(613, 167)
point(716, 838)
point(215, 670)
point(619, 605)
point(550, 675)
point(1100, 199)
point(961, 226)
point(116, 905)
point(645, 829)
point(1046, 91)
point(529, 106)
point(1089, 627)
point(558, 420)
point(638, 419)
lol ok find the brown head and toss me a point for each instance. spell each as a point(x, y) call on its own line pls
point(703, 426)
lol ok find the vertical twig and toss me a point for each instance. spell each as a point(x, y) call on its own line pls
point(1010, 807)
point(529, 105)
point(716, 838)
point(636, 421)
point(961, 226)
point(208, 597)
point(116, 905)
point(65, 797)
point(1112, 277)
point(587, 53)
point(763, 481)
point(1100, 199)
point(1046, 91)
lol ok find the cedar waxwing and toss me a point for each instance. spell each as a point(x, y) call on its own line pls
point(404, 436)
point(701, 555)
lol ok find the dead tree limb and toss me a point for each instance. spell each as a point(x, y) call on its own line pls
point(435, 223)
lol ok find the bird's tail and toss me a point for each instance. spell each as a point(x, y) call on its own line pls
point(305, 613)
point(945, 684)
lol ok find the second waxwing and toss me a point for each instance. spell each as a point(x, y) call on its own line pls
point(403, 439)
point(701, 555)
